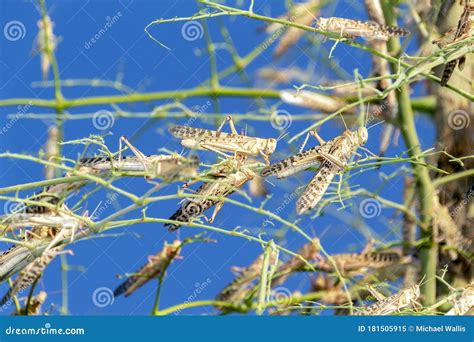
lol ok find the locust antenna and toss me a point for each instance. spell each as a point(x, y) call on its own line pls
point(375, 124)
point(310, 13)
point(367, 115)
point(422, 280)
point(304, 143)
point(343, 121)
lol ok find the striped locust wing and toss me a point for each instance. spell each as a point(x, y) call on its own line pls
point(194, 207)
point(186, 132)
point(210, 195)
point(156, 266)
point(14, 260)
point(316, 188)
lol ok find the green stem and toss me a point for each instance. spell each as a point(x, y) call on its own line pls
point(429, 251)
point(145, 97)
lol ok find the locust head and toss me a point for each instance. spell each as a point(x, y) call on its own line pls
point(416, 290)
point(362, 136)
point(268, 146)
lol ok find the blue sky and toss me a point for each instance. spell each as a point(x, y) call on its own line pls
point(125, 52)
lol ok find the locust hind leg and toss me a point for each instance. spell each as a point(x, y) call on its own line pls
point(317, 136)
point(228, 119)
point(59, 236)
point(135, 150)
point(217, 208)
point(213, 149)
point(333, 160)
point(141, 157)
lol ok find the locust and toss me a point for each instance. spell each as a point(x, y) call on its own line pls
point(349, 28)
point(462, 302)
point(240, 288)
point(346, 262)
point(32, 272)
point(395, 303)
point(302, 14)
point(312, 100)
point(447, 231)
point(222, 143)
point(46, 43)
point(211, 194)
point(455, 34)
point(33, 306)
point(332, 291)
point(163, 166)
point(14, 260)
point(310, 251)
point(48, 230)
point(330, 157)
point(62, 221)
point(157, 264)
point(54, 195)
